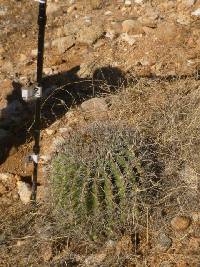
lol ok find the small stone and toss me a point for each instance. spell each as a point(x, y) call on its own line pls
point(180, 223)
point(196, 217)
point(88, 20)
point(164, 241)
point(139, 1)
point(108, 13)
point(89, 35)
point(50, 131)
point(128, 3)
point(6, 177)
point(111, 34)
point(86, 69)
point(24, 191)
point(34, 52)
point(196, 12)
point(63, 43)
point(189, 3)
point(48, 71)
point(130, 39)
point(71, 9)
point(132, 27)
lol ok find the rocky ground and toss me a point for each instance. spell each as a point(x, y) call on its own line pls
point(91, 48)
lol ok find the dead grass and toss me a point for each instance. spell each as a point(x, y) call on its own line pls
point(167, 112)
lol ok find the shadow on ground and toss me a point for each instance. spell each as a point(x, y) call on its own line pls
point(62, 91)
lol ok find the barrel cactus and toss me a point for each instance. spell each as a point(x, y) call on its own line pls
point(97, 172)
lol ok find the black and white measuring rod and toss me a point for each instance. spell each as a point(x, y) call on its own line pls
point(35, 93)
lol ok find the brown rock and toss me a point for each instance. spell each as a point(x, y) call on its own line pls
point(95, 108)
point(24, 191)
point(63, 43)
point(132, 27)
point(196, 217)
point(180, 223)
point(89, 35)
point(94, 104)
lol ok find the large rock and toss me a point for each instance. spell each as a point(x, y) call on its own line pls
point(89, 35)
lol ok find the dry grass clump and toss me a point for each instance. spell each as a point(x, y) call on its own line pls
point(169, 112)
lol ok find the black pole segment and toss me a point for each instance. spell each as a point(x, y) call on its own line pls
point(40, 57)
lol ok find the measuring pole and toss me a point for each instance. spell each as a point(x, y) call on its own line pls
point(38, 94)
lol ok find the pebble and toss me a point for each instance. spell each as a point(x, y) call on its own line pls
point(139, 1)
point(71, 9)
point(128, 3)
point(132, 27)
point(63, 43)
point(190, 2)
point(196, 12)
point(24, 191)
point(6, 177)
point(130, 39)
point(180, 223)
point(89, 35)
point(196, 217)
point(164, 241)
point(50, 131)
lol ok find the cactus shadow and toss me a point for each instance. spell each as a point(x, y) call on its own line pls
point(61, 92)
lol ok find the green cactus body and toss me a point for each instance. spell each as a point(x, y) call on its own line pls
point(97, 178)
